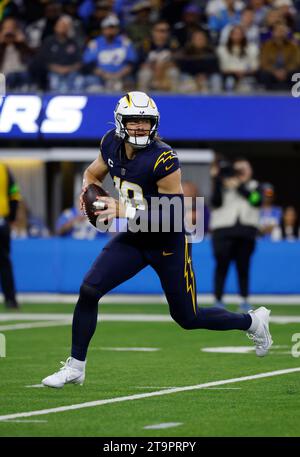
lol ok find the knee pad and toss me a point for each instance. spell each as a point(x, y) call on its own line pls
point(89, 294)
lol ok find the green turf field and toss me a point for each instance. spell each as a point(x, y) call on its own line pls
point(268, 406)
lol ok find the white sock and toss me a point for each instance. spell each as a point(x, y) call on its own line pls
point(255, 322)
point(78, 364)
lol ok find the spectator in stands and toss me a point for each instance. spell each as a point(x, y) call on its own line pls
point(63, 57)
point(172, 11)
point(260, 9)
point(93, 25)
point(272, 18)
point(287, 11)
point(113, 57)
point(70, 8)
point(44, 27)
point(230, 14)
point(238, 60)
point(214, 7)
point(9, 200)
point(197, 62)
point(248, 25)
point(72, 223)
point(158, 70)
point(191, 20)
point(139, 31)
point(279, 59)
point(270, 214)
point(289, 226)
point(123, 9)
point(14, 55)
point(235, 200)
point(26, 225)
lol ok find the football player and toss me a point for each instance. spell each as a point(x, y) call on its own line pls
point(142, 166)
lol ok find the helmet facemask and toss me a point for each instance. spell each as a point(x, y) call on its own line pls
point(133, 106)
point(137, 141)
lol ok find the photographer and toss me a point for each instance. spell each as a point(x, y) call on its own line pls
point(234, 220)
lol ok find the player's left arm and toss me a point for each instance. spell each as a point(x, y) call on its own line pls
point(170, 184)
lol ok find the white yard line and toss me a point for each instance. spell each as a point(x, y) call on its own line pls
point(174, 390)
point(125, 349)
point(27, 421)
point(162, 426)
point(66, 318)
point(5, 328)
point(156, 299)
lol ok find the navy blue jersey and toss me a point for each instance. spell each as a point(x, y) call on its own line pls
point(137, 178)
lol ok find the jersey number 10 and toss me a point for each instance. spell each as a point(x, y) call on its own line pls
point(130, 193)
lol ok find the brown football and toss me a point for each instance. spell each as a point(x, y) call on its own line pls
point(89, 198)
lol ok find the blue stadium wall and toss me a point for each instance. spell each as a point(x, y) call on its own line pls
point(183, 117)
point(58, 265)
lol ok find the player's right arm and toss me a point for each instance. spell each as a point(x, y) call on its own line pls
point(94, 174)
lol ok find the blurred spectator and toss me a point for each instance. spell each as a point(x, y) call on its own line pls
point(124, 10)
point(287, 11)
point(190, 190)
point(93, 25)
point(14, 55)
point(235, 200)
point(289, 226)
point(279, 59)
point(139, 31)
point(159, 72)
point(270, 214)
point(112, 55)
point(238, 60)
point(191, 21)
point(260, 10)
point(9, 200)
point(272, 18)
point(44, 27)
point(214, 7)
point(172, 10)
point(70, 8)
point(63, 57)
point(250, 29)
point(229, 14)
point(197, 61)
point(72, 223)
point(26, 225)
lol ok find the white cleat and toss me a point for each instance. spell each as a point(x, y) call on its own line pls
point(66, 375)
point(260, 334)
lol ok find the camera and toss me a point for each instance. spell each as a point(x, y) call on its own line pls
point(9, 36)
point(226, 169)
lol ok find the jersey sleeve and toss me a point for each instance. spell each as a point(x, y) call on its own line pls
point(104, 145)
point(166, 163)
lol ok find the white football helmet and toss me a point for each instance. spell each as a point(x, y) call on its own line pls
point(135, 105)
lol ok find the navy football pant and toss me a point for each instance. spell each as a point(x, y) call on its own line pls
point(170, 256)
